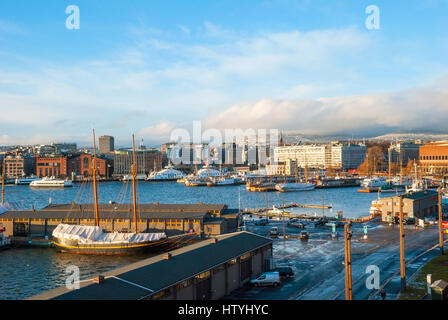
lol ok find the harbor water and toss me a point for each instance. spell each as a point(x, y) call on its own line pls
point(26, 272)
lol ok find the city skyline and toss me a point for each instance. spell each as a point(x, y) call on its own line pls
point(148, 68)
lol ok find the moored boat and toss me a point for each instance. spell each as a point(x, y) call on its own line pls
point(51, 182)
point(82, 239)
point(26, 181)
point(291, 187)
point(167, 174)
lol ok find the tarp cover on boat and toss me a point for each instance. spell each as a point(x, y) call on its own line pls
point(93, 234)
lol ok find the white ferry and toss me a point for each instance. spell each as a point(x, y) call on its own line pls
point(51, 182)
point(167, 174)
point(373, 183)
point(25, 181)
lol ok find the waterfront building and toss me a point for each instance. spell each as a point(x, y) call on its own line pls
point(47, 166)
point(82, 165)
point(433, 158)
point(106, 144)
point(417, 205)
point(403, 152)
point(345, 156)
point(18, 166)
point(208, 270)
point(323, 156)
point(172, 219)
point(148, 160)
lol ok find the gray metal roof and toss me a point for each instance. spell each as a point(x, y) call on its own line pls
point(118, 211)
point(146, 277)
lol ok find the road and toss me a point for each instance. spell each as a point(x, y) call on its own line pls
point(319, 265)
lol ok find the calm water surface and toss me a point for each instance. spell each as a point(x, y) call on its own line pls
point(29, 271)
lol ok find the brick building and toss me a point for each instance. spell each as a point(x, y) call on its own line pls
point(50, 166)
point(434, 158)
point(82, 165)
point(18, 166)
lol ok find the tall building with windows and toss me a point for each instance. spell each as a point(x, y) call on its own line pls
point(147, 160)
point(323, 156)
point(106, 144)
point(18, 166)
point(403, 152)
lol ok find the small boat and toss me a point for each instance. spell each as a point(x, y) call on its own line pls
point(373, 183)
point(51, 182)
point(26, 181)
point(222, 182)
point(291, 187)
point(195, 183)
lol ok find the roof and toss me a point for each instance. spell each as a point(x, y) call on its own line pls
point(420, 194)
point(118, 211)
point(152, 275)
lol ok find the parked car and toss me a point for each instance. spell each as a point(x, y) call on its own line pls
point(267, 279)
point(262, 222)
point(295, 223)
point(304, 236)
point(285, 271)
point(273, 232)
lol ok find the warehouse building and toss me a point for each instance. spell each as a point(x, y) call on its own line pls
point(416, 205)
point(173, 219)
point(207, 270)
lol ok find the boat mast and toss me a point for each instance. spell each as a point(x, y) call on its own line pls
point(389, 164)
point(3, 181)
point(134, 176)
point(95, 191)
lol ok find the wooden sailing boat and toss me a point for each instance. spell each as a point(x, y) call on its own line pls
point(84, 239)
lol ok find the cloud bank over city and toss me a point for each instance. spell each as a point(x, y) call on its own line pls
point(277, 68)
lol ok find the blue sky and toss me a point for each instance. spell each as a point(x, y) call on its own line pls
point(151, 66)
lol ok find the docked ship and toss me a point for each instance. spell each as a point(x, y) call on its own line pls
point(51, 182)
point(296, 186)
point(26, 181)
point(222, 182)
point(291, 187)
point(338, 182)
point(167, 174)
point(84, 239)
point(372, 185)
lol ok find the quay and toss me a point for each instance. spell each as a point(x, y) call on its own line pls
point(207, 270)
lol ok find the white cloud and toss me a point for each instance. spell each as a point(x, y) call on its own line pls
point(413, 109)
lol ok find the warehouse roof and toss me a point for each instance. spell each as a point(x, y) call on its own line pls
point(118, 211)
point(146, 277)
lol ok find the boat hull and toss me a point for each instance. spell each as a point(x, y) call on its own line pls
point(123, 249)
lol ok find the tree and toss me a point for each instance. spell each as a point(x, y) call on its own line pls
point(374, 162)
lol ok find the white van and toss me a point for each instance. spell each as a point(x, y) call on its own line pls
point(267, 279)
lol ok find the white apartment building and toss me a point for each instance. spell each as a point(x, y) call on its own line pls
point(335, 155)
